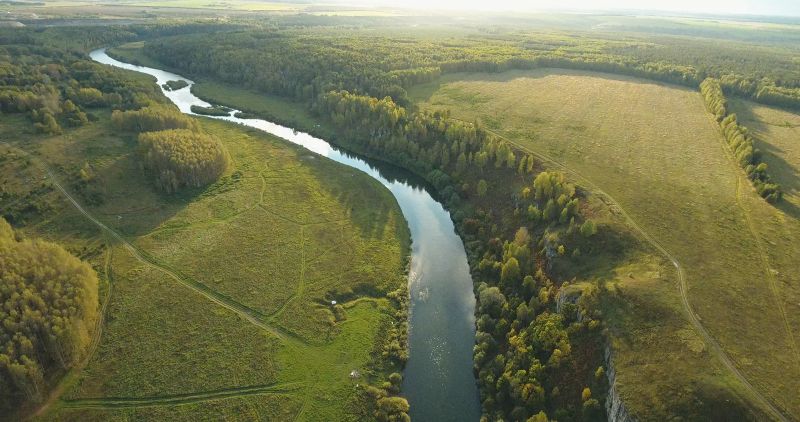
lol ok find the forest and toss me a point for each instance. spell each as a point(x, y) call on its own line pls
point(287, 62)
point(49, 309)
point(181, 158)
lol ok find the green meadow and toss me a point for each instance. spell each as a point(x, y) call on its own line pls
point(217, 300)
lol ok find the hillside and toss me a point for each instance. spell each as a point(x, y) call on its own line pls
point(226, 283)
point(656, 150)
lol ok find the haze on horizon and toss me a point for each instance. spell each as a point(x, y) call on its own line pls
point(742, 7)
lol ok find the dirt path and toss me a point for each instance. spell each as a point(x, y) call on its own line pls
point(243, 311)
point(248, 314)
point(169, 400)
point(683, 287)
point(762, 252)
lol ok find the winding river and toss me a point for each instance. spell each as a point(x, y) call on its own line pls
point(438, 380)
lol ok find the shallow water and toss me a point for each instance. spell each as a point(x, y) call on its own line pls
point(438, 380)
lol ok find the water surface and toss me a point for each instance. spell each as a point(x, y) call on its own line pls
point(438, 380)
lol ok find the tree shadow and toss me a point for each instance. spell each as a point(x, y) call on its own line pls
point(366, 210)
point(132, 205)
point(610, 248)
point(781, 171)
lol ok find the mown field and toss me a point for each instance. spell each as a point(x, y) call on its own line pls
point(217, 306)
point(777, 135)
point(655, 149)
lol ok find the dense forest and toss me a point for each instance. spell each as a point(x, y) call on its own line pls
point(59, 90)
point(306, 64)
point(740, 142)
point(49, 308)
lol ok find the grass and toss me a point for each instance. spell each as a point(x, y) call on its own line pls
point(279, 234)
point(655, 150)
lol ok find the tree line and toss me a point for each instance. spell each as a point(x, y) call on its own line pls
point(305, 64)
point(740, 142)
point(49, 308)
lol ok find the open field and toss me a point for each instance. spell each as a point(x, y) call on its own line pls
point(228, 283)
point(656, 150)
point(777, 135)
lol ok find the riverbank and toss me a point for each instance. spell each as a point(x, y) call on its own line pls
point(435, 288)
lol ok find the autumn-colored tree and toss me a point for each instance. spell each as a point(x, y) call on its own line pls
point(48, 305)
point(181, 158)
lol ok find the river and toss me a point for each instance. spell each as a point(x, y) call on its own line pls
point(438, 380)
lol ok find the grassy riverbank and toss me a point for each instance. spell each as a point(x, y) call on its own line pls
point(230, 284)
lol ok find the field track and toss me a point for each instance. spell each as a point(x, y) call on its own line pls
point(243, 311)
point(168, 400)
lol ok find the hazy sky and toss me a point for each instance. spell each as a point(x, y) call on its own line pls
point(758, 7)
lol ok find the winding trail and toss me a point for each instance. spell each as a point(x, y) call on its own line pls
point(683, 287)
point(763, 255)
point(170, 400)
point(246, 313)
point(251, 315)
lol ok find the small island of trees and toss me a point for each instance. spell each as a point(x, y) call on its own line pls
point(174, 150)
point(181, 158)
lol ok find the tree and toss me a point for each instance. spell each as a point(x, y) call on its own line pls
point(392, 409)
point(550, 212)
point(534, 214)
point(539, 417)
point(491, 301)
point(599, 373)
point(510, 272)
point(483, 187)
point(588, 228)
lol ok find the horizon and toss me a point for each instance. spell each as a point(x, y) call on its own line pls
point(767, 8)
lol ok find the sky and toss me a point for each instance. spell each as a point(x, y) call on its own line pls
point(752, 7)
